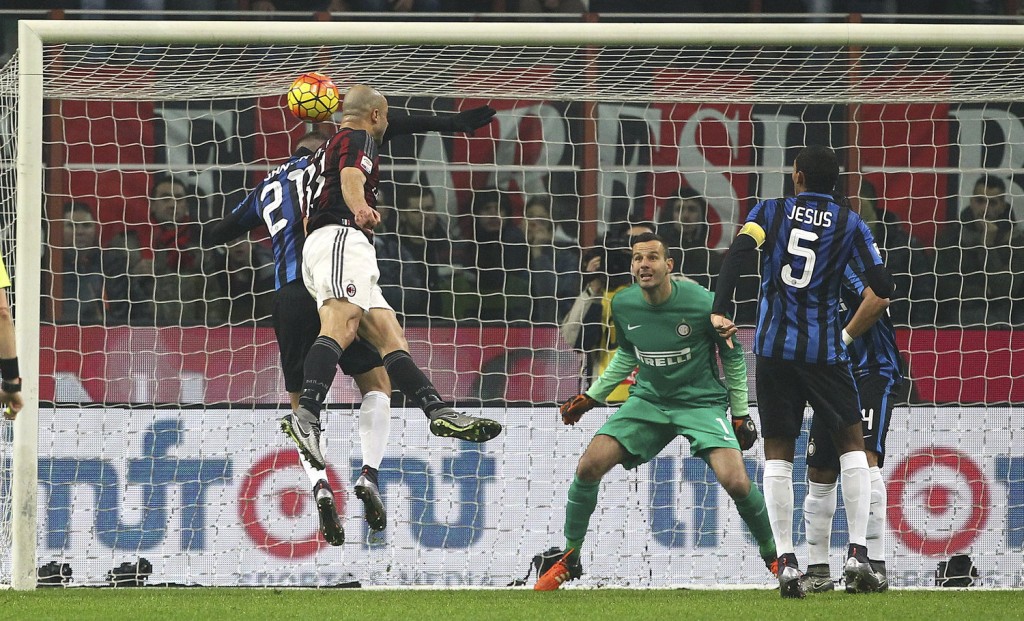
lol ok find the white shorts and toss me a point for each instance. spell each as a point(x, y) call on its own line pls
point(339, 263)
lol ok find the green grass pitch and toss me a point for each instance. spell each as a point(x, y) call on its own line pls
point(223, 604)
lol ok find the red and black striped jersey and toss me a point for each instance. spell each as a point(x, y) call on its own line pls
point(349, 148)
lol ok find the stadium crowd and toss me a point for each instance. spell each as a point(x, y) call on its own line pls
point(506, 259)
point(503, 255)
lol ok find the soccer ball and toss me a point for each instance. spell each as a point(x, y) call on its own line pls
point(313, 97)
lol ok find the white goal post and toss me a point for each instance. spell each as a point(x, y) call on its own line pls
point(595, 63)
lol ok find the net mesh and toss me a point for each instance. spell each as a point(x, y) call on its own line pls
point(642, 73)
point(160, 373)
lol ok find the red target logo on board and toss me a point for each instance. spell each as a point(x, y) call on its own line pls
point(277, 509)
point(939, 501)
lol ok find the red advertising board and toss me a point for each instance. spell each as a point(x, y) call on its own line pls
point(241, 366)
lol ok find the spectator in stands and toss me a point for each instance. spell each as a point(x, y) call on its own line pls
point(422, 235)
point(129, 281)
point(149, 9)
point(980, 261)
point(498, 256)
point(669, 6)
point(395, 6)
point(241, 285)
point(683, 224)
point(554, 270)
point(588, 326)
point(552, 6)
point(302, 6)
point(82, 280)
point(950, 7)
point(403, 276)
point(842, 6)
point(911, 267)
point(172, 245)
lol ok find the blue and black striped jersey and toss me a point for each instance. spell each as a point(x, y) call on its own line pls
point(806, 242)
point(280, 201)
point(874, 352)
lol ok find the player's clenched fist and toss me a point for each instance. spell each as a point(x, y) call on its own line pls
point(746, 431)
point(576, 407)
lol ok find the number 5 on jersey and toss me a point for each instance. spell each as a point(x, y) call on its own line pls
point(794, 248)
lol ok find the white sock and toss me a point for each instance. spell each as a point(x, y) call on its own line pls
point(778, 497)
point(853, 468)
point(374, 427)
point(876, 519)
point(819, 509)
point(315, 474)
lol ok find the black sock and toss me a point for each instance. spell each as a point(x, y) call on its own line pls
point(408, 378)
point(319, 369)
point(370, 473)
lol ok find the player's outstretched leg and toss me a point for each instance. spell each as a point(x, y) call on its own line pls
point(373, 505)
point(444, 421)
point(567, 568)
point(447, 423)
point(790, 585)
point(330, 523)
point(303, 427)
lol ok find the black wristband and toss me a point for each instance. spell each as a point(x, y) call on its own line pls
point(9, 368)
point(9, 386)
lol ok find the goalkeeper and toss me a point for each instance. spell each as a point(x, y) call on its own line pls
point(663, 327)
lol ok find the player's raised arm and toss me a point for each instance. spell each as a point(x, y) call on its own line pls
point(465, 122)
point(236, 224)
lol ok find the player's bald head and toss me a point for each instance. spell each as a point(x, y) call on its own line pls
point(361, 100)
point(365, 108)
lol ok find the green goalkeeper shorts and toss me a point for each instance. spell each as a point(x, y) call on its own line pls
point(644, 429)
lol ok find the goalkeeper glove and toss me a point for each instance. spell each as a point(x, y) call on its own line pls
point(745, 430)
point(576, 407)
point(469, 120)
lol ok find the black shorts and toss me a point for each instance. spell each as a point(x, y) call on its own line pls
point(297, 324)
point(784, 387)
point(877, 398)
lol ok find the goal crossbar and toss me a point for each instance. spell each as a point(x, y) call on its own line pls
point(538, 34)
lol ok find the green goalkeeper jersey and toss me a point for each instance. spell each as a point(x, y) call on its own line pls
point(674, 345)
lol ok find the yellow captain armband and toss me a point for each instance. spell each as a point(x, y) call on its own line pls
point(5, 280)
point(754, 230)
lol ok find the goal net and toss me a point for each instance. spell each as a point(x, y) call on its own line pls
point(153, 386)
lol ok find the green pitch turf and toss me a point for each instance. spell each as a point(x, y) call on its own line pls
point(422, 605)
